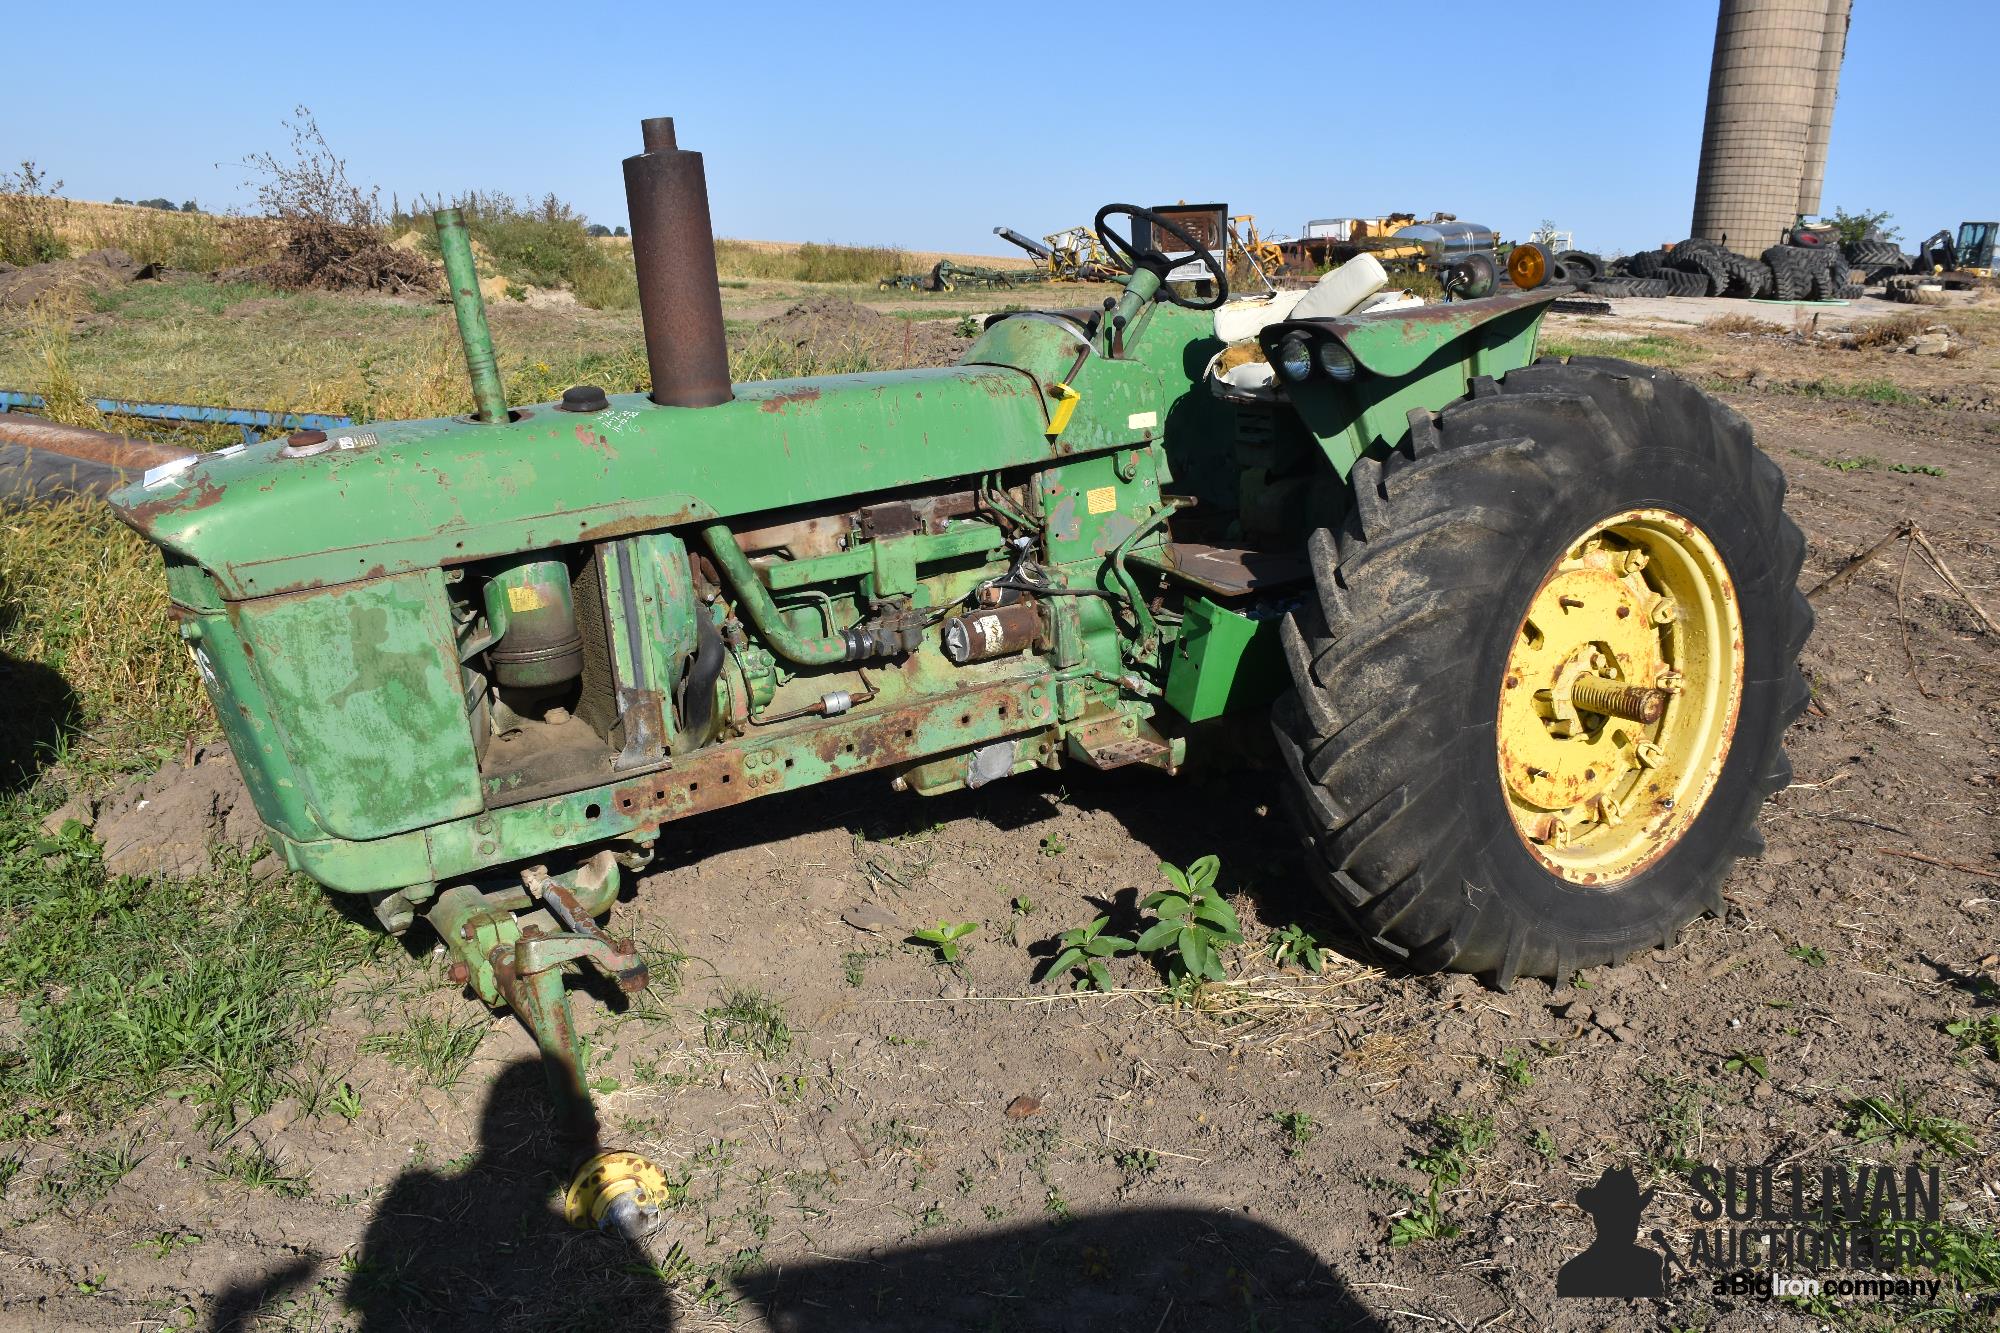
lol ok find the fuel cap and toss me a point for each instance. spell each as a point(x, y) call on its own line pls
point(584, 398)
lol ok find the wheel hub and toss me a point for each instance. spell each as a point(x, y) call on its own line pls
point(1619, 696)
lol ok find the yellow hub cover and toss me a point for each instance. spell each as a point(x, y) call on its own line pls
point(1638, 610)
point(621, 1186)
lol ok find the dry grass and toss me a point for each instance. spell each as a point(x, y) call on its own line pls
point(199, 242)
point(82, 595)
point(811, 262)
point(1378, 1060)
point(195, 242)
point(1891, 330)
point(1739, 324)
point(48, 335)
point(1274, 1013)
point(428, 381)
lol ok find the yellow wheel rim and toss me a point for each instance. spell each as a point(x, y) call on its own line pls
point(1620, 696)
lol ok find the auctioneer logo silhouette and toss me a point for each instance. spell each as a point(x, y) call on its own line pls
point(1616, 1264)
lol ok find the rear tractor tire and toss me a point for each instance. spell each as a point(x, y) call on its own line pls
point(1576, 537)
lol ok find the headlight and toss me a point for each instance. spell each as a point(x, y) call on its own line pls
point(1336, 360)
point(1528, 266)
point(1295, 360)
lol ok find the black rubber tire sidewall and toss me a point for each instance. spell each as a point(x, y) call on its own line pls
point(1636, 910)
point(1398, 661)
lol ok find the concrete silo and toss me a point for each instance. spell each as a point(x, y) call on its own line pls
point(1771, 89)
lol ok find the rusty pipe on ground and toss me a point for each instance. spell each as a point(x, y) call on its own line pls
point(92, 446)
point(673, 251)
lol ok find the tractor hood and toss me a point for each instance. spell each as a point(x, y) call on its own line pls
point(390, 497)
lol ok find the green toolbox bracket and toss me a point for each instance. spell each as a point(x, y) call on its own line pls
point(1224, 661)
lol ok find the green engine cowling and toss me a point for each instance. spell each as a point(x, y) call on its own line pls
point(351, 610)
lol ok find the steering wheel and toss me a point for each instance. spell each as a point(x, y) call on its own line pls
point(1156, 262)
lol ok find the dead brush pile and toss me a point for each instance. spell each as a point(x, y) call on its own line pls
point(335, 233)
point(332, 257)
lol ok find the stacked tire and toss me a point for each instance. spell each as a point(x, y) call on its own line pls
point(1810, 273)
point(1646, 264)
point(1628, 286)
point(1747, 277)
point(1702, 259)
point(1681, 282)
point(1835, 277)
point(1876, 259)
point(1580, 266)
point(1813, 269)
point(1792, 269)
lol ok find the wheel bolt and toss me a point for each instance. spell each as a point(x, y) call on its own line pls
point(1649, 755)
point(1664, 612)
point(1595, 694)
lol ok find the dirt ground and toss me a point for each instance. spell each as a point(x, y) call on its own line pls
point(833, 1105)
point(21, 287)
point(829, 329)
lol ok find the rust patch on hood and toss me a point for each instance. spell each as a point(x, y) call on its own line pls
point(778, 402)
point(591, 440)
point(199, 494)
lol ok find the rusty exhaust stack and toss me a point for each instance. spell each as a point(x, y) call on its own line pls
point(673, 248)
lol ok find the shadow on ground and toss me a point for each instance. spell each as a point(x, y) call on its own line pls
point(42, 711)
point(486, 1247)
point(1159, 1269)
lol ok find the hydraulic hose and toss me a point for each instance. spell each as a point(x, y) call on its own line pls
point(755, 601)
point(1149, 632)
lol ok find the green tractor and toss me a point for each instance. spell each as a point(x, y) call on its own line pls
point(1526, 630)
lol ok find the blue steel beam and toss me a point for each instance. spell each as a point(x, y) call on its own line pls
point(250, 420)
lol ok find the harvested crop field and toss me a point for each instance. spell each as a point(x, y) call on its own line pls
point(859, 1134)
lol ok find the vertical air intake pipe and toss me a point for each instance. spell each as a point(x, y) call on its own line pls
point(680, 302)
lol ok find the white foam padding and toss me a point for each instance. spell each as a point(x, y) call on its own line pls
point(1237, 320)
point(1340, 291)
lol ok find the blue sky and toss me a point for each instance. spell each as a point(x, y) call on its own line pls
point(925, 125)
